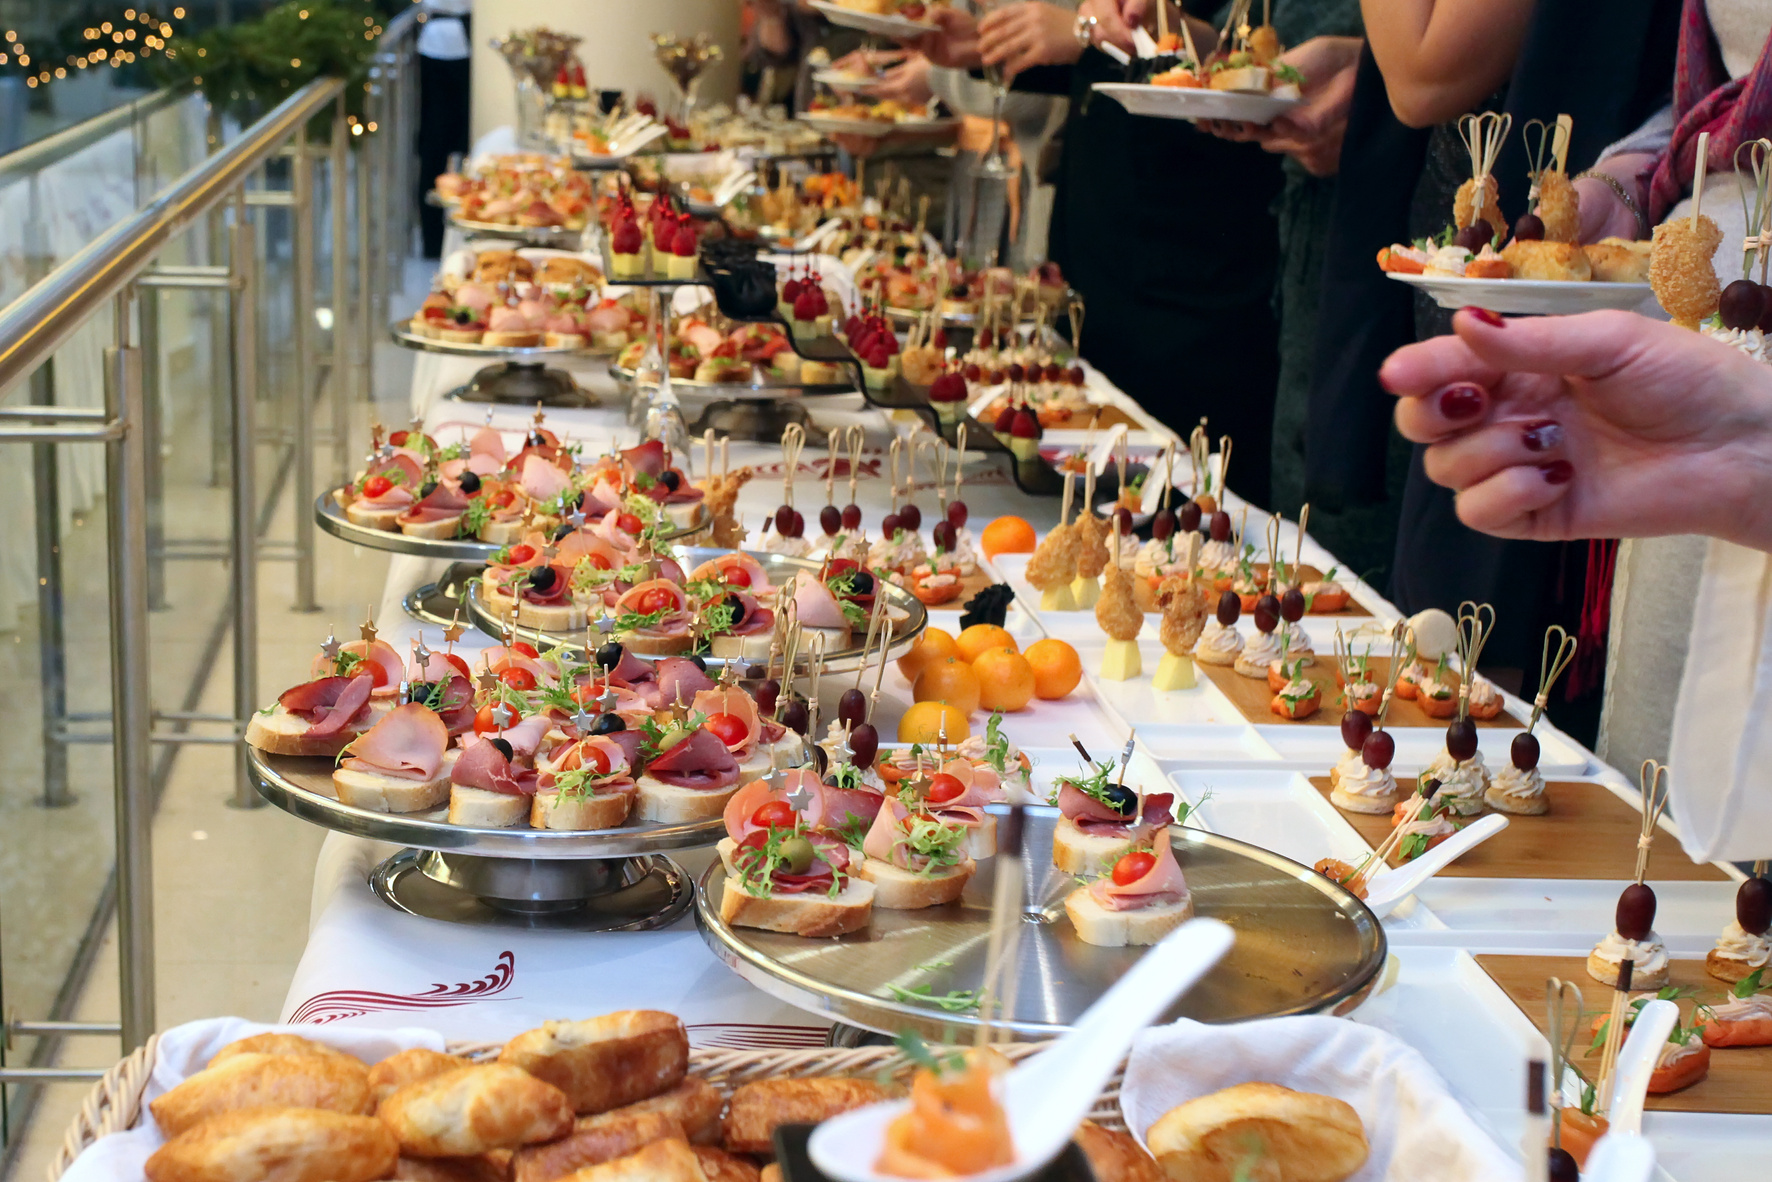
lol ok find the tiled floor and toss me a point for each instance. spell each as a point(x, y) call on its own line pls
point(231, 885)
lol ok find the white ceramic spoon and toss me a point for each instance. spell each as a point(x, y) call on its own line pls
point(1390, 887)
point(1047, 1097)
point(1636, 1062)
point(1620, 1157)
point(732, 185)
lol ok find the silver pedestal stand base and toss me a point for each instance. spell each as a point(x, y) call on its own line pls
point(440, 602)
point(579, 895)
point(757, 420)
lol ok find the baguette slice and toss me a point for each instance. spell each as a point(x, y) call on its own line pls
point(812, 913)
point(1097, 925)
point(378, 793)
point(606, 1062)
point(480, 809)
point(372, 518)
point(552, 617)
point(283, 733)
point(502, 533)
point(655, 800)
point(442, 529)
point(746, 648)
point(1247, 80)
point(898, 889)
point(588, 811)
point(1085, 855)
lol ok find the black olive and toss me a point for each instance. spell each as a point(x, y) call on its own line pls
point(504, 748)
point(542, 578)
point(1635, 915)
point(608, 724)
point(470, 482)
point(609, 656)
point(862, 581)
point(1121, 799)
point(426, 489)
point(561, 530)
point(535, 439)
point(419, 691)
point(738, 610)
point(820, 760)
point(1461, 739)
point(670, 479)
point(698, 662)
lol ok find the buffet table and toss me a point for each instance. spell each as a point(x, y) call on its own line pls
point(371, 965)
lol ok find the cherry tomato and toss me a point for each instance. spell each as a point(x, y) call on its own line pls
point(775, 814)
point(1133, 867)
point(518, 678)
point(629, 524)
point(375, 486)
point(728, 728)
point(461, 666)
point(522, 552)
point(736, 576)
point(587, 693)
point(524, 647)
point(943, 788)
point(398, 438)
point(483, 723)
point(378, 675)
point(504, 498)
point(596, 758)
point(597, 562)
point(654, 599)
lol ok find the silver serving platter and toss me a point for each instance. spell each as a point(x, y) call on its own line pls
point(752, 389)
point(329, 517)
point(302, 786)
point(401, 331)
point(778, 567)
point(1304, 945)
point(545, 235)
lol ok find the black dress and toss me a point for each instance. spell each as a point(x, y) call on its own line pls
point(1167, 233)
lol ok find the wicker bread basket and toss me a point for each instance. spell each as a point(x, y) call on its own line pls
point(115, 1102)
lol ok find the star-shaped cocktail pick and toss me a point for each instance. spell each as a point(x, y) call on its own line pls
point(583, 720)
point(489, 416)
point(605, 625)
point(330, 646)
point(375, 434)
point(368, 629)
point(606, 702)
point(387, 451)
point(420, 654)
point(841, 751)
point(539, 415)
point(454, 632)
point(576, 518)
point(417, 425)
point(774, 776)
point(800, 799)
point(405, 692)
point(503, 716)
point(550, 552)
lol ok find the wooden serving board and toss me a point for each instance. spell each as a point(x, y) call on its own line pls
point(1254, 698)
point(1147, 595)
point(1740, 1079)
point(1588, 834)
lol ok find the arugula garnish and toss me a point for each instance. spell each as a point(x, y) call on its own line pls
point(1286, 73)
point(1680, 1035)
point(1093, 785)
point(846, 775)
point(958, 1001)
point(345, 663)
point(854, 830)
point(854, 614)
point(453, 451)
point(1412, 847)
point(635, 622)
point(911, 1045)
point(476, 517)
point(1748, 985)
point(581, 782)
point(996, 746)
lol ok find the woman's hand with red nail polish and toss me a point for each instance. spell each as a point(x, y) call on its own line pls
point(1601, 425)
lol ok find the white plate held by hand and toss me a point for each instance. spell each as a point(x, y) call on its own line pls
point(873, 22)
point(1194, 102)
point(1526, 297)
point(1047, 1097)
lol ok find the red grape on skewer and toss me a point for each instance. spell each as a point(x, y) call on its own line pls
point(1267, 612)
point(1524, 751)
point(1378, 750)
point(852, 707)
point(910, 517)
point(852, 516)
point(1292, 605)
point(1356, 725)
point(1230, 606)
point(1461, 739)
point(830, 519)
point(1188, 516)
point(1635, 915)
point(1221, 526)
point(864, 742)
point(957, 513)
point(1163, 525)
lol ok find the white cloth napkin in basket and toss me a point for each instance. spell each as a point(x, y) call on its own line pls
point(184, 1050)
point(1414, 1126)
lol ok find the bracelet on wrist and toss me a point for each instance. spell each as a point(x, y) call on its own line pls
point(1630, 203)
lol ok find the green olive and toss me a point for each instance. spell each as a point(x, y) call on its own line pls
point(797, 854)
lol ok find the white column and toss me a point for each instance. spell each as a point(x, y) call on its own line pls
point(617, 46)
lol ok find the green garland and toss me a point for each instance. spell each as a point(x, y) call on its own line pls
point(246, 69)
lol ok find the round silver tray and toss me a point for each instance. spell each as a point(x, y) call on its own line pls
point(964, 319)
point(779, 569)
point(541, 235)
point(401, 331)
point(751, 389)
point(329, 517)
point(301, 786)
point(1304, 945)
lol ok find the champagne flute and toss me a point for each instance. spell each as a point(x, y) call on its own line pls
point(994, 164)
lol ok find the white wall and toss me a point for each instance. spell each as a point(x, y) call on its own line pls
point(617, 46)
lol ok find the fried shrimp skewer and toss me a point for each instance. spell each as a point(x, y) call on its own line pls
point(1551, 187)
point(1480, 197)
point(1680, 268)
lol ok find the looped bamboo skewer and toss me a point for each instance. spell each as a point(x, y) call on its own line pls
point(793, 441)
point(1653, 778)
point(1561, 1028)
point(1476, 622)
point(1559, 650)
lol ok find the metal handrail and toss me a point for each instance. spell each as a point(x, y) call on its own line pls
point(52, 149)
point(33, 326)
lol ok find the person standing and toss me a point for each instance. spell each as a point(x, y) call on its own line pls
point(443, 104)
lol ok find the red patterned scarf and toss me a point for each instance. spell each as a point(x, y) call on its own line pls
point(1734, 111)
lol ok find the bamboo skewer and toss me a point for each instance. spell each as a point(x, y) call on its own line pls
point(1561, 1026)
point(1653, 778)
point(1614, 1034)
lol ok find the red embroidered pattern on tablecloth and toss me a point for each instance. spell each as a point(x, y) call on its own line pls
point(337, 1004)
